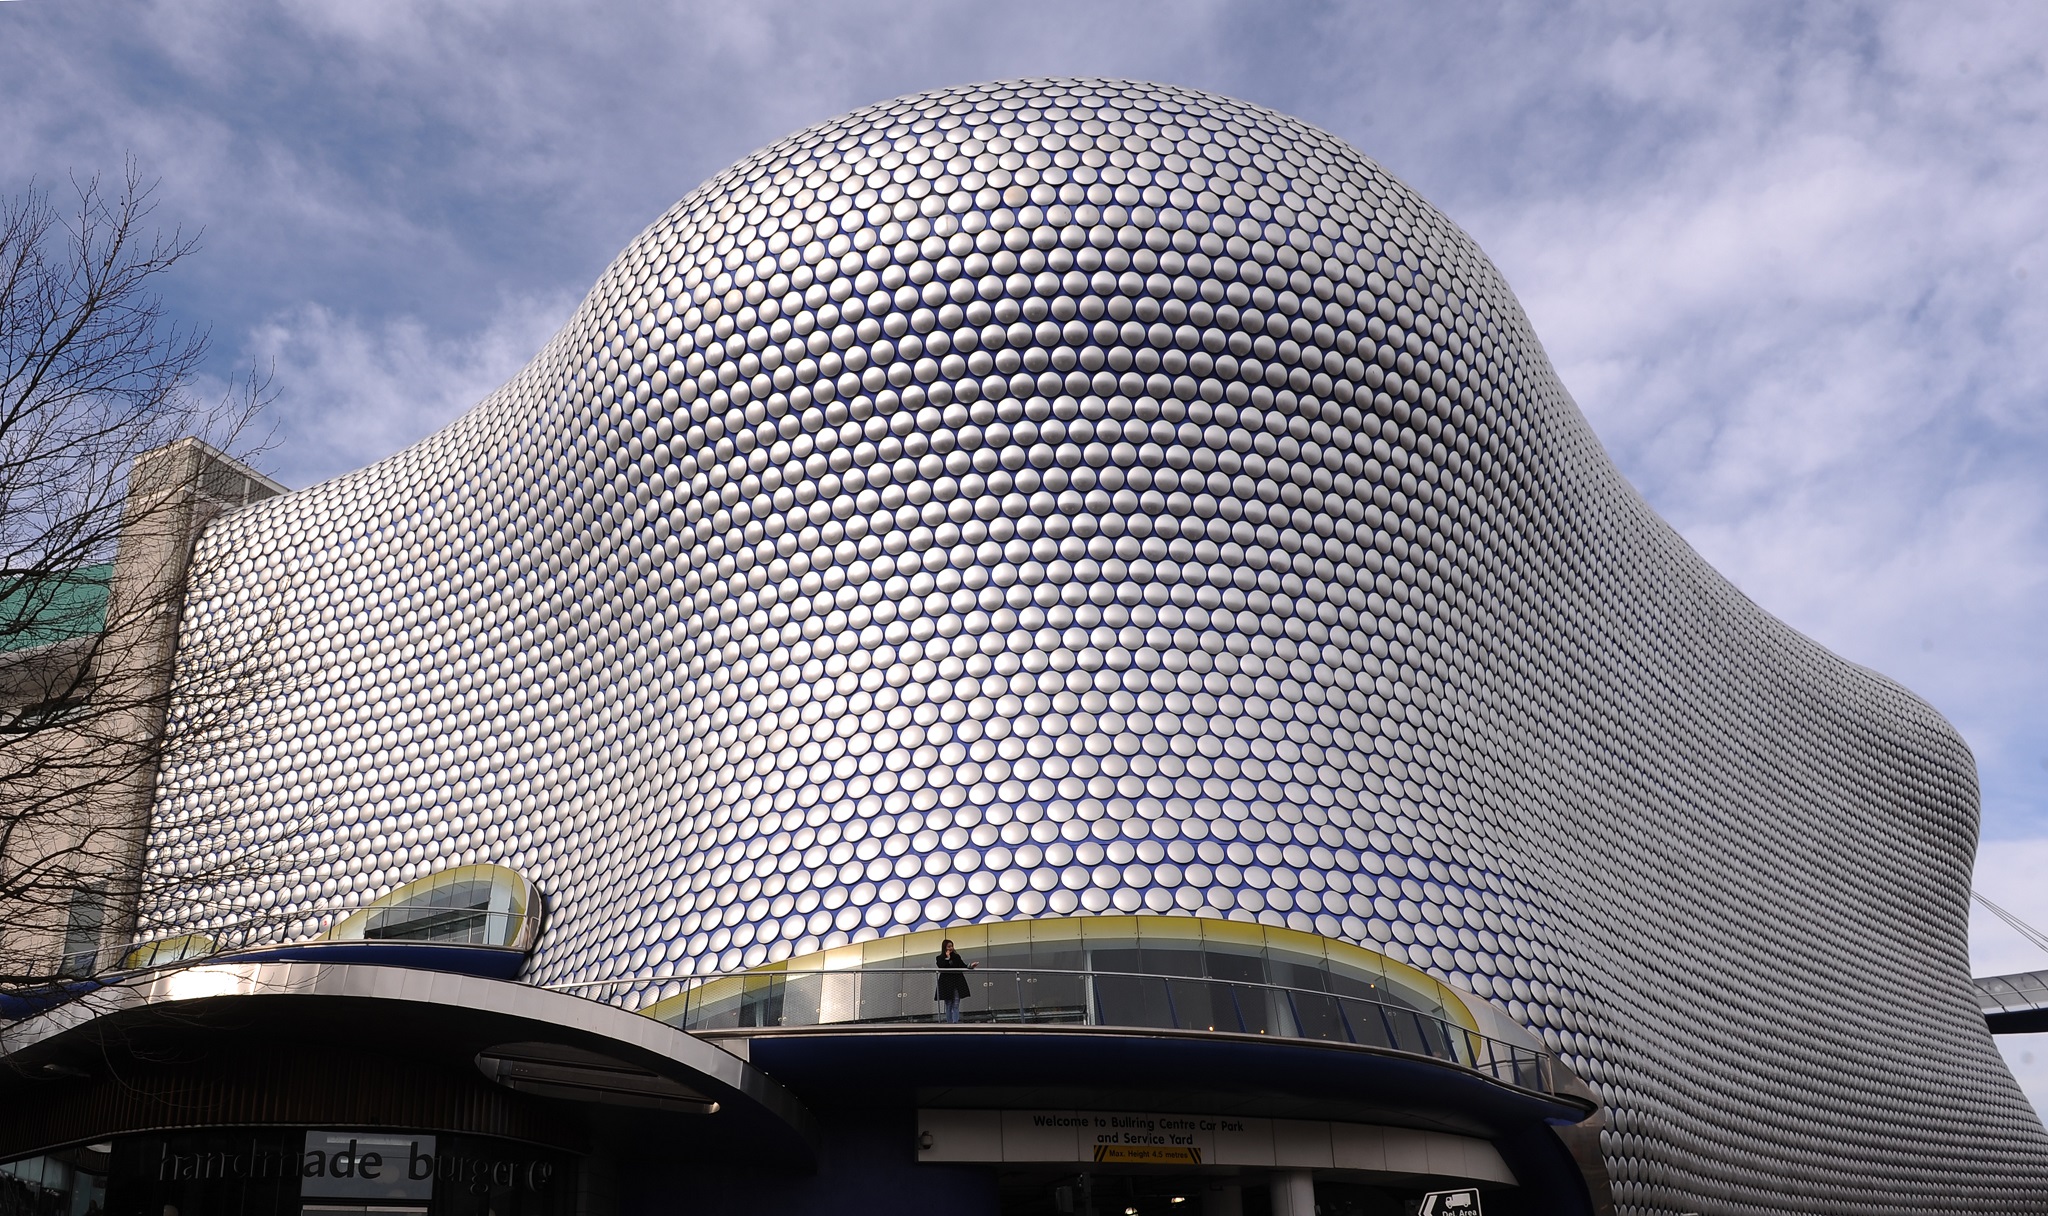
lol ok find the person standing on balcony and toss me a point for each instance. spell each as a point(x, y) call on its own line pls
point(952, 985)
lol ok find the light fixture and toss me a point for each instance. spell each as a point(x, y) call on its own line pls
point(556, 1071)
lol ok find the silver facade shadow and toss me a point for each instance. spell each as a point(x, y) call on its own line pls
point(1069, 497)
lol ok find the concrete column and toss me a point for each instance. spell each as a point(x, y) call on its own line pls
point(1294, 1192)
point(173, 493)
point(95, 782)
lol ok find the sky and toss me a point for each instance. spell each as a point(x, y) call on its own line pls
point(1791, 260)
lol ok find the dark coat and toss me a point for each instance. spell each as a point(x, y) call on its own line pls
point(952, 984)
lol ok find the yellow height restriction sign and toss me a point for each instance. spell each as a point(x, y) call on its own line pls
point(1148, 1154)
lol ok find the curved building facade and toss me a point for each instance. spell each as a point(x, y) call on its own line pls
point(1073, 499)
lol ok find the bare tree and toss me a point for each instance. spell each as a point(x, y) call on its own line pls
point(109, 468)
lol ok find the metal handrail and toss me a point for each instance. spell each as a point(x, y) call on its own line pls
point(770, 1000)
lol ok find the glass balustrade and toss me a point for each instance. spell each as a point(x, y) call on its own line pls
point(881, 996)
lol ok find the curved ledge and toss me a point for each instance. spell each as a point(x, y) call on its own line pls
point(970, 1064)
point(483, 962)
point(303, 1009)
point(1141, 974)
point(1131, 1002)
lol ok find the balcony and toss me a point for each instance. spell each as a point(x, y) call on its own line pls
point(884, 996)
point(1181, 975)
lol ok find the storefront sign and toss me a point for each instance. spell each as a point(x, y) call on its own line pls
point(245, 1160)
point(367, 1165)
point(281, 1170)
point(353, 1165)
point(386, 1165)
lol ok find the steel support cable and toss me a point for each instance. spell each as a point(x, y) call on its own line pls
point(2038, 938)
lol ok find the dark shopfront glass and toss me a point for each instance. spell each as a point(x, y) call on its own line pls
point(279, 1172)
point(71, 1183)
point(1050, 1191)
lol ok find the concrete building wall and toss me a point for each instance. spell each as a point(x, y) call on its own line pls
point(81, 768)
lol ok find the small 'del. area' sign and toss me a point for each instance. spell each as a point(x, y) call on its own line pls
point(1464, 1202)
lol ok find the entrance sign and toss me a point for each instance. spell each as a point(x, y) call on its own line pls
point(1179, 1138)
point(1450, 1203)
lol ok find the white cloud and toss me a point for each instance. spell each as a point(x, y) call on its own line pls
point(2009, 874)
point(353, 391)
point(2027, 1056)
point(1795, 320)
